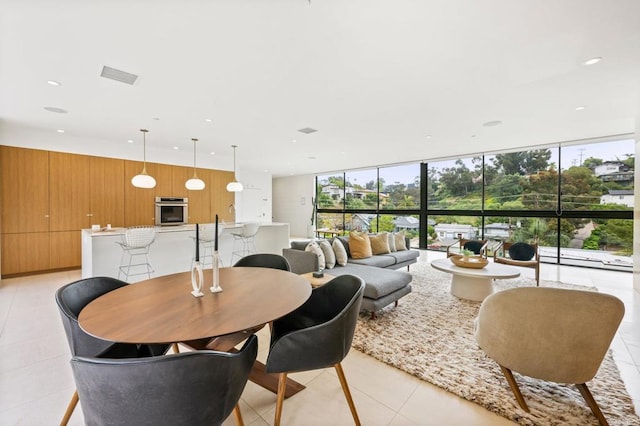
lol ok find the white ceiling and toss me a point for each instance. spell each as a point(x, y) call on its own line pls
point(374, 77)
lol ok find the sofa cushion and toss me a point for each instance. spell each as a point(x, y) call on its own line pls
point(340, 252)
point(380, 243)
point(379, 282)
point(300, 244)
point(380, 261)
point(359, 245)
point(329, 255)
point(314, 247)
point(521, 251)
point(400, 242)
point(403, 256)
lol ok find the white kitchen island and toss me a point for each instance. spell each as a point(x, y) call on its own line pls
point(173, 248)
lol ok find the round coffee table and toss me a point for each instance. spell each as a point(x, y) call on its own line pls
point(474, 284)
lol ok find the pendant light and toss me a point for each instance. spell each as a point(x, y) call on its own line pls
point(234, 186)
point(194, 184)
point(143, 180)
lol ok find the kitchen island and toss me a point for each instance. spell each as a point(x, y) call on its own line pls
point(173, 248)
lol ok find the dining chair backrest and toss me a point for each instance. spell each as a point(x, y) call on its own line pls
point(265, 260)
point(138, 236)
point(190, 388)
point(71, 299)
point(319, 333)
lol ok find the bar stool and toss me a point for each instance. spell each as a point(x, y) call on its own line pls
point(207, 242)
point(244, 243)
point(135, 244)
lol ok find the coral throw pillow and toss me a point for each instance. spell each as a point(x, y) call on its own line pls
point(359, 245)
point(380, 243)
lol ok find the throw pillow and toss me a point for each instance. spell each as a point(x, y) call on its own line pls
point(345, 243)
point(340, 252)
point(314, 247)
point(473, 246)
point(359, 245)
point(400, 243)
point(380, 243)
point(392, 242)
point(521, 251)
point(329, 256)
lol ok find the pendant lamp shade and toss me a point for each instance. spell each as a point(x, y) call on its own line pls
point(194, 184)
point(144, 180)
point(234, 186)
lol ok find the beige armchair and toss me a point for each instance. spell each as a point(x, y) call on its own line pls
point(550, 334)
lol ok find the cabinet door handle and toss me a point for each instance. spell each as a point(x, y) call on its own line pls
point(89, 214)
point(46, 215)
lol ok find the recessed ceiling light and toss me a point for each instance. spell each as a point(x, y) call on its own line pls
point(56, 110)
point(212, 153)
point(266, 171)
point(208, 120)
point(130, 141)
point(580, 108)
point(593, 60)
point(54, 83)
point(176, 148)
point(492, 123)
point(294, 141)
point(60, 131)
point(428, 137)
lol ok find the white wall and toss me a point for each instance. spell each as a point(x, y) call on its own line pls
point(292, 202)
point(254, 203)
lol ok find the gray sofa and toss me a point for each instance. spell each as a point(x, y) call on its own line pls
point(384, 283)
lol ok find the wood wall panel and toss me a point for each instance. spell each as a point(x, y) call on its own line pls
point(221, 199)
point(139, 204)
point(200, 201)
point(69, 191)
point(24, 190)
point(25, 252)
point(65, 249)
point(107, 191)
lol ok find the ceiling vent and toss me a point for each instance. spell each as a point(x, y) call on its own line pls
point(118, 75)
point(307, 130)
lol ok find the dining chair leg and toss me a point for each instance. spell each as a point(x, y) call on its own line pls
point(238, 415)
point(347, 393)
point(176, 349)
point(514, 388)
point(586, 394)
point(282, 387)
point(70, 408)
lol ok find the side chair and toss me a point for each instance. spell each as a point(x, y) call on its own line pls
point(265, 260)
point(317, 335)
point(70, 299)
point(519, 254)
point(190, 388)
point(479, 247)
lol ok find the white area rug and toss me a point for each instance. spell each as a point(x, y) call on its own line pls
point(430, 335)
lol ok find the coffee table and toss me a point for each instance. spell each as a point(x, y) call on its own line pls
point(474, 284)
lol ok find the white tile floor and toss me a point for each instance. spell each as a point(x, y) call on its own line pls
point(36, 381)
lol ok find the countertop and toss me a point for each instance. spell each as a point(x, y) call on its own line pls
point(179, 228)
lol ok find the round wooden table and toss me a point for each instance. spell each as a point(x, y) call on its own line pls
point(474, 284)
point(162, 310)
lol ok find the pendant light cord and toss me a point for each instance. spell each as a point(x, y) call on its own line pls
point(194, 155)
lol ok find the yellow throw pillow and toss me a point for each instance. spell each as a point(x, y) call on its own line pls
point(359, 245)
point(400, 243)
point(380, 243)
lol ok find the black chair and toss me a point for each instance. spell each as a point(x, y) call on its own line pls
point(71, 299)
point(317, 335)
point(265, 260)
point(519, 254)
point(190, 388)
point(478, 247)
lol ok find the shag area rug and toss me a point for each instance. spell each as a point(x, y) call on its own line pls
point(430, 335)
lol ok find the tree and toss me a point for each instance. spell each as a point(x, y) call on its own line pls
point(592, 162)
point(523, 162)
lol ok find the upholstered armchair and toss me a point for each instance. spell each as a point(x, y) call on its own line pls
point(519, 254)
point(550, 334)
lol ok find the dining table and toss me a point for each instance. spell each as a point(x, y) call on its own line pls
point(163, 310)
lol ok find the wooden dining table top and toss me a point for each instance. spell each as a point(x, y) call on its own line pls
point(162, 309)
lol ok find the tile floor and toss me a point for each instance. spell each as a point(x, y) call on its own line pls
point(36, 381)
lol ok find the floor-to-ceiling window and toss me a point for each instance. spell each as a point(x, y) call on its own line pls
point(574, 200)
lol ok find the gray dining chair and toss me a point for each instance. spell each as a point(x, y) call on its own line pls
point(265, 260)
point(317, 335)
point(190, 388)
point(70, 299)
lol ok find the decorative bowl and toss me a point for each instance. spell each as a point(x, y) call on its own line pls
point(474, 262)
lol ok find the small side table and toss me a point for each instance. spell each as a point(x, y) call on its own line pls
point(317, 282)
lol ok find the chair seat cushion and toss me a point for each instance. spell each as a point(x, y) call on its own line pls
point(521, 251)
point(474, 246)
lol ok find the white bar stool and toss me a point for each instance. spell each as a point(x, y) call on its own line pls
point(135, 244)
point(207, 241)
point(244, 240)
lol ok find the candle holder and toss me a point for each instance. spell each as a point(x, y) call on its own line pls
point(215, 288)
point(196, 280)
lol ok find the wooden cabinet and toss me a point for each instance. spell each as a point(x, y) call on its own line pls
point(65, 249)
point(24, 190)
point(25, 252)
point(69, 191)
point(107, 191)
point(179, 177)
point(200, 201)
point(139, 203)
